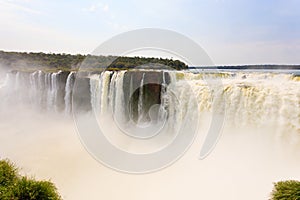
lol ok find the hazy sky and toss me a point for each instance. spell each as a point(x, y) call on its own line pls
point(231, 31)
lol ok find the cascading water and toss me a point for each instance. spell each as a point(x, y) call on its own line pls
point(4, 83)
point(131, 93)
point(54, 90)
point(95, 96)
point(105, 80)
point(68, 92)
point(112, 92)
point(33, 87)
point(119, 99)
point(40, 87)
point(250, 98)
point(48, 87)
point(140, 101)
point(163, 96)
point(17, 82)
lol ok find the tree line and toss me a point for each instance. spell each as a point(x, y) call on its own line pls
point(23, 60)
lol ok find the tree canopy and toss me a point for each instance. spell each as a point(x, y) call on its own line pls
point(51, 61)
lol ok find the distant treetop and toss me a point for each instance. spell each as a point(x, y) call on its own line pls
point(67, 62)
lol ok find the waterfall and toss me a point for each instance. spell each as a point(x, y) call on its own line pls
point(33, 78)
point(54, 90)
point(17, 81)
point(40, 88)
point(140, 101)
point(250, 98)
point(5, 82)
point(106, 92)
point(254, 100)
point(163, 97)
point(95, 91)
point(48, 91)
point(105, 82)
point(130, 109)
point(119, 107)
point(68, 93)
point(111, 95)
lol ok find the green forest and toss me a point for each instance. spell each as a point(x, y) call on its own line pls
point(67, 62)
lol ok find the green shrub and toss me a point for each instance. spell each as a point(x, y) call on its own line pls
point(31, 189)
point(286, 190)
point(15, 187)
point(8, 173)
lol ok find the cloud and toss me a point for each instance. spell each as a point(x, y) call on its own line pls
point(15, 6)
point(19, 34)
point(92, 8)
point(96, 7)
point(105, 8)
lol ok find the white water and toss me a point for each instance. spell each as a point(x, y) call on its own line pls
point(53, 93)
point(140, 101)
point(259, 145)
point(118, 105)
point(68, 93)
point(5, 81)
point(254, 99)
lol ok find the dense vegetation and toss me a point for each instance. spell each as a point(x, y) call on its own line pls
point(15, 187)
point(44, 61)
point(286, 190)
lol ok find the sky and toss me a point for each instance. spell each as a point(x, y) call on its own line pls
point(231, 32)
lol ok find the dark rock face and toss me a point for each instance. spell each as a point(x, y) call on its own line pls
point(145, 87)
point(81, 95)
point(61, 79)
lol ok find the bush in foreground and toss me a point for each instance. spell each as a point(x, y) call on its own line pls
point(15, 187)
point(286, 190)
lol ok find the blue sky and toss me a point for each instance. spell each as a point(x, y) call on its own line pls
point(231, 31)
